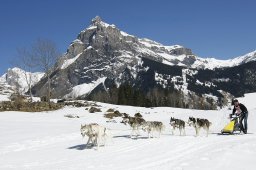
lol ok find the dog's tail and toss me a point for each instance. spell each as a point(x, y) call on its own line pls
point(210, 123)
point(187, 123)
point(108, 135)
point(162, 128)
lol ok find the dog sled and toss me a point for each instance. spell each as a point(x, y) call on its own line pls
point(233, 127)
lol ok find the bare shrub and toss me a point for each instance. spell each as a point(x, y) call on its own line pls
point(94, 109)
point(19, 105)
point(71, 116)
point(76, 104)
point(110, 115)
point(110, 110)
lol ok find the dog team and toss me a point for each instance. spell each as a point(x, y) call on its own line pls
point(97, 134)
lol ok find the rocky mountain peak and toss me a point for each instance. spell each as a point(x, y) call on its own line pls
point(98, 33)
point(96, 20)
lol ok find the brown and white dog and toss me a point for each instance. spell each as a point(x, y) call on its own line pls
point(134, 122)
point(198, 123)
point(177, 123)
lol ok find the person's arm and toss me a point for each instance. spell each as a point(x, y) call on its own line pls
point(243, 108)
point(234, 110)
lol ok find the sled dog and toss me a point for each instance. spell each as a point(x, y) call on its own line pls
point(96, 134)
point(153, 126)
point(135, 123)
point(198, 123)
point(177, 123)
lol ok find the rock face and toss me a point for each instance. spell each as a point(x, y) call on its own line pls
point(181, 51)
point(103, 57)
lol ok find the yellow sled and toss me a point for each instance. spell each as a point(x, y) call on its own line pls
point(229, 128)
point(232, 126)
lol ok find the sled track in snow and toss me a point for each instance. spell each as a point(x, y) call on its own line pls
point(184, 150)
point(37, 143)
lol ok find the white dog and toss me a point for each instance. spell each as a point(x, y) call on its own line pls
point(96, 134)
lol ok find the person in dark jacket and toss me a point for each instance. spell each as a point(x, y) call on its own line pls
point(239, 108)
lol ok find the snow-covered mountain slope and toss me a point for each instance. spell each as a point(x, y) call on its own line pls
point(211, 63)
point(51, 141)
point(173, 56)
point(82, 89)
point(5, 89)
point(15, 79)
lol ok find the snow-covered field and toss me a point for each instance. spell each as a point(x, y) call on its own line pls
point(50, 141)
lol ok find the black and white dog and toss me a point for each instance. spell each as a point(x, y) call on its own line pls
point(177, 123)
point(198, 123)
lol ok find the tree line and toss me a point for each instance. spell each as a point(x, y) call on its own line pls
point(125, 94)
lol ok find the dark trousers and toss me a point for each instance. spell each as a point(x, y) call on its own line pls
point(243, 122)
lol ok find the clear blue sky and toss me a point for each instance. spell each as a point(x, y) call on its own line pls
point(211, 28)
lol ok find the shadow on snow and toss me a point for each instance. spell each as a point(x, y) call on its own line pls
point(81, 147)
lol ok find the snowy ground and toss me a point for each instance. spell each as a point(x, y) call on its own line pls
point(4, 97)
point(48, 140)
